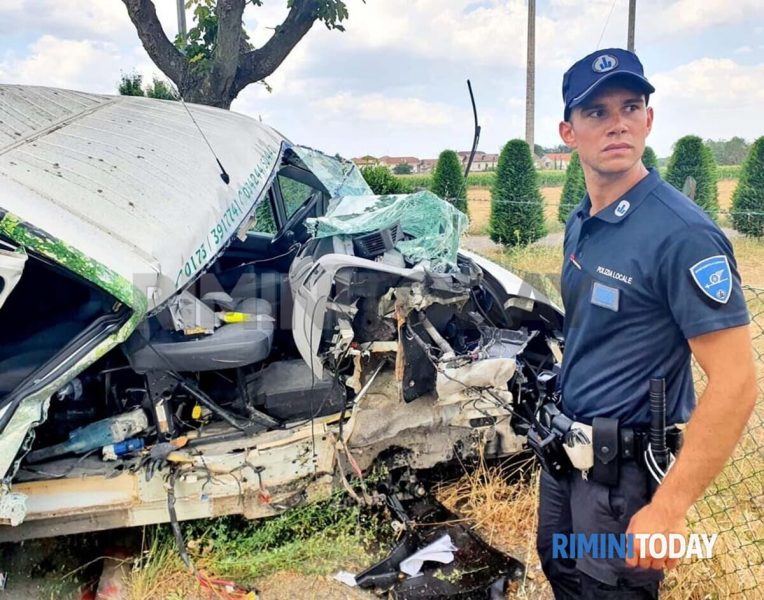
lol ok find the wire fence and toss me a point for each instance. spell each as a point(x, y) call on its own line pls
point(733, 506)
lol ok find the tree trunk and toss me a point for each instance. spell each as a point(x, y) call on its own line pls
point(201, 90)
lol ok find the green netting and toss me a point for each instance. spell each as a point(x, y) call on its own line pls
point(434, 225)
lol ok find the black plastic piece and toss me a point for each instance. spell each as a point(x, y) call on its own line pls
point(376, 243)
point(419, 374)
point(477, 572)
point(287, 391)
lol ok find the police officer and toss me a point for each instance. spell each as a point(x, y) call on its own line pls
point(648, 279)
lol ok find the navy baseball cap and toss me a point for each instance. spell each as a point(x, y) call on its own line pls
point(593, 70)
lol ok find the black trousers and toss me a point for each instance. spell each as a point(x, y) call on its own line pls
point(575, 505)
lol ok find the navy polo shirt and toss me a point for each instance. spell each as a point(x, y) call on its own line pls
point(639, 279)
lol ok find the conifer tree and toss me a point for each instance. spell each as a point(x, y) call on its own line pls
point(517, 207)
point(573, 190)
point(649, 159)
point(448, 180)
point(692, 158)
point(748, 198)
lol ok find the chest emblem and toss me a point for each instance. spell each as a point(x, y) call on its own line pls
point(622, 208)
point(713, 277)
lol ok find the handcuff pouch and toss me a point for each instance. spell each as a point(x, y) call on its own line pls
point(606, 451)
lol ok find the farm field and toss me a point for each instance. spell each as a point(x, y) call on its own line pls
point(479, 199)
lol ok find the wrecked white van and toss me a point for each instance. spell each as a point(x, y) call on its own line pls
point(185, 291)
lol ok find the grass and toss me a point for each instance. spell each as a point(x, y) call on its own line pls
point(501, 503)
point(314, 540)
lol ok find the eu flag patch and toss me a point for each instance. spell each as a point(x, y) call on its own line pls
point(605, 296)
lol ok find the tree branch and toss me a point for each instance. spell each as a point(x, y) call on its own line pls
point(260, 63)
point(161, 50)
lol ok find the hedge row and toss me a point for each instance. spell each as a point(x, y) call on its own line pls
point(546, 178)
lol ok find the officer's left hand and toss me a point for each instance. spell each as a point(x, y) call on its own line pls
point(654, 518)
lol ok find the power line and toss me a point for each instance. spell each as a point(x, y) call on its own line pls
point(606, 23)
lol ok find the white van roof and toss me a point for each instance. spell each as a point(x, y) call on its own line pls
point(128, 183)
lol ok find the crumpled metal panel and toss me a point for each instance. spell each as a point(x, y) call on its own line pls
point(435, 225)
point(33, 409)
point(130, 182)
point(340, 177)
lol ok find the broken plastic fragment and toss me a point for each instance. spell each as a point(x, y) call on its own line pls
point(347, 578)
point(441, 550)
point(13, 508)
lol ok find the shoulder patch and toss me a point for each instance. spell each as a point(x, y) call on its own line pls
point(714, 278)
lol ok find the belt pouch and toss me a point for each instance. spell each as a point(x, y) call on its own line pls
point(606, 451)
point(674, 438)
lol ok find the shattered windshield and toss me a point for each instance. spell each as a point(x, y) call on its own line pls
point(432, 226)
point(340, 177)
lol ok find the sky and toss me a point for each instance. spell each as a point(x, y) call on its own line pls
point(394, 83)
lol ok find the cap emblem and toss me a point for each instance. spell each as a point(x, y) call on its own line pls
point(604, 63)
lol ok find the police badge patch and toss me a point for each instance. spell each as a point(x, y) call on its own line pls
point(713, 277)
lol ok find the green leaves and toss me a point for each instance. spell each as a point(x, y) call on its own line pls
point(517, 207)
point(131, 85)
point(331, 13)
point(692, 158)
point(448, 180)
point(748, 199)
point(382, 181)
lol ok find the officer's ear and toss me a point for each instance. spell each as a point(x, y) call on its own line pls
point(566, 134)
point(649, 111)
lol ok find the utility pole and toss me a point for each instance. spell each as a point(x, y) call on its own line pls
point(530, 86)
point(181, 17)
point(632, 15)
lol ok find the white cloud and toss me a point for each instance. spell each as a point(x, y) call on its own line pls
point(743, 50)
point(383, 108)
point(720, 82)
point(691, 16)
point(87, 65)
point(713, 98)
point(105, 20)
point(435, 29)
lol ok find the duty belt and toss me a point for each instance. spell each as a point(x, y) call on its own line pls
point(633, 442)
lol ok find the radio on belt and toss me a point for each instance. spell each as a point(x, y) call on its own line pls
point(547, 434)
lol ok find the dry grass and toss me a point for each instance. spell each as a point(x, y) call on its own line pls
point(502, 505)
point(479, 200)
